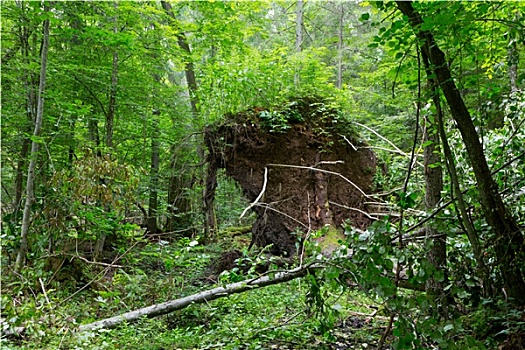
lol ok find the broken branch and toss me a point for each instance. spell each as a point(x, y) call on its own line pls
point(202, 297)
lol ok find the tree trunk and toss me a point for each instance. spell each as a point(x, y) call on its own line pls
point(209, 198)
point(189, 70)
point(179, 205)
point(30, 83)
point(299, 26)
point(509, 239)
point(110, 118)
point(20, 166)
point(24, 237)
point(433, 187)
point(202, 297)
point(298, 35)
point(340, 47)
point(513, 56)
point(151, 222)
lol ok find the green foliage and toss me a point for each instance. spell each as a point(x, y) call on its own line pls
point(243, 58)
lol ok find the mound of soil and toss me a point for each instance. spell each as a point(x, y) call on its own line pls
point(317, 171)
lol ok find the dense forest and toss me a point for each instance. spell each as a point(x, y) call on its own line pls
point(262, 175)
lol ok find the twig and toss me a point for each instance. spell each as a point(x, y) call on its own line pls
point(348, 141)
point(170, 232)
point(354, 209)
point(94, 262)
point(45, 293)
point(383, 138)
point(393, 151)
point(76, 256)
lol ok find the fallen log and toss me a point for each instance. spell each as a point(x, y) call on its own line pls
point(205, 296)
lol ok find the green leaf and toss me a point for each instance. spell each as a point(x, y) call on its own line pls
point(364, 17)
point(427, 143)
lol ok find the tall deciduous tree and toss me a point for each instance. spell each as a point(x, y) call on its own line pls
point(509, 244)
point(24, 236)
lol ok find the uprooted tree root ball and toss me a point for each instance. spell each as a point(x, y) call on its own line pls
point(314, 170)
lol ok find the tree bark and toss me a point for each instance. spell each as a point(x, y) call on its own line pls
point(202, 297)
point(209, 198)
point(151, 222)
point(110, 116)
point(509, 238)
point(179, 204)
point(189, 69)
point(340, 46)
point(299, 26)
point(513, 56)
point(30, 83)
point(433, 187)
point(298, 35)
point(24, 237)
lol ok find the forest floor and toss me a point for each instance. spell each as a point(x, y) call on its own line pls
point(274, 317)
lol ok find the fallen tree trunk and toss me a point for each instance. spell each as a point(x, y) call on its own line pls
point(205, 296)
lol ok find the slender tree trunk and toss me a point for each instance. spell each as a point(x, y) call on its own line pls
point(210, 223)
point(298, 35)
point(340, 46)
point(299, 26)
point(20, 166)
point(110, 118)
point(151, 222)
point(189, 69)
point(513, 56)
point(94, 135)
point(209, 197)
point(24, 237)
point(509, 238)
point(437, 255)
point(30, 83)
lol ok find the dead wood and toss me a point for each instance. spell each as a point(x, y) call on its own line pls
point(202, 297)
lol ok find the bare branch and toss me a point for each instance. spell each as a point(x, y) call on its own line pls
point(260, 194)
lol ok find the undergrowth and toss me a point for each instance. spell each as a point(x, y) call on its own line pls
point(274, 317)
point(327, 310)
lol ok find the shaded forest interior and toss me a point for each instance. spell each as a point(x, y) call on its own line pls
point(262, 175)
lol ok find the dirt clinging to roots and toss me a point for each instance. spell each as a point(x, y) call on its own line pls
point(316, 167)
